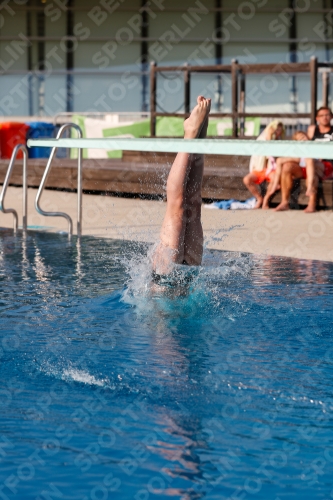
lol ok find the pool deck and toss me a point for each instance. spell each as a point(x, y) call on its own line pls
point(290, 234)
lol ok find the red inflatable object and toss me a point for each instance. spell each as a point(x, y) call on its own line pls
point(11, 134)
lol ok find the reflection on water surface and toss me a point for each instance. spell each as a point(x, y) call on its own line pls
point(110, 391)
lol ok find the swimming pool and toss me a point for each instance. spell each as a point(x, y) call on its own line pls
point(109, 391)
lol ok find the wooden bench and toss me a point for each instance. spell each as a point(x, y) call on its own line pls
point(223, 177)
point(144, 173)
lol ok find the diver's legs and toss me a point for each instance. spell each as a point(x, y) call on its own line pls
point(174, 223)
point(193, 241)
point(171, 247)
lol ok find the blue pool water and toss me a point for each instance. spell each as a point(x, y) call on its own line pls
point(109, 391)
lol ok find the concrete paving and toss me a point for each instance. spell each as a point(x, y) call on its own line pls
point(291, 234)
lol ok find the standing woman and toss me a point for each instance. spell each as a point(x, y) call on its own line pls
point(261, 167)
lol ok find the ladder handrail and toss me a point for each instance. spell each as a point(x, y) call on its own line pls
point(19, 147)
point(79, 184)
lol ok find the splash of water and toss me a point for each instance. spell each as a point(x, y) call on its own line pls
point(75, 375)
point(213, 287)
point(71, 373)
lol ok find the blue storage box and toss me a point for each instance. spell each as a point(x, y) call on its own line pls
point(37, 130)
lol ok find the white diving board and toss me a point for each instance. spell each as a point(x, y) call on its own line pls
point(293, 149)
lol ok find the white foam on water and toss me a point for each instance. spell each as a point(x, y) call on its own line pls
point(215, 264)
point(138, 269)
point(211, 290)
point(73, 374)
point(83, 377)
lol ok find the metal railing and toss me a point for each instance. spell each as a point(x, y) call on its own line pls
point(19, 147)
point(79, 184)
point(238, 73)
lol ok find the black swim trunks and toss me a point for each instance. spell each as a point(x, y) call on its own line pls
point(178, 277)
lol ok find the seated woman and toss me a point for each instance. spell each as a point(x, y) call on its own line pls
point(181, 237)
point(261, 167)
point(290, 169)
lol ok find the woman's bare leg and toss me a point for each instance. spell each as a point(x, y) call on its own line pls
point(250, 182)
point(171, 247)
point(269, 192)
point(311, 184)
point(274, 184)
point(311, 187)
point(290, 171)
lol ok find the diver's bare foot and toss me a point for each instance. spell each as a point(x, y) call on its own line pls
point(282, 207)
point(203, 131)
point(193, 124)
point(310, 209)
point(258, 203)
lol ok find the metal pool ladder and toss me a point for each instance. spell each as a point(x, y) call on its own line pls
point(19, 147)
point(79, 184)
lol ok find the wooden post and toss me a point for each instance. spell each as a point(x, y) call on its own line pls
point(187, 82)
point(242, 103)
point(152, 99)
point(234, 98)
point(314, 88)
point(325, 79)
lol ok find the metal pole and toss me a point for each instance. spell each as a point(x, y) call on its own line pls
point(242, 103)
point(293, 54)
point(69, 57)
point(187, 97)
point(314, 87)
point(79, 186)
point(325, 82)
point(79, 191)
point(30, 66)
point(19, 147)
point(234, 98)
point(152, 99)
point(218, 51)
point(25, 188)
point(144, 54)
point(40, 22)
